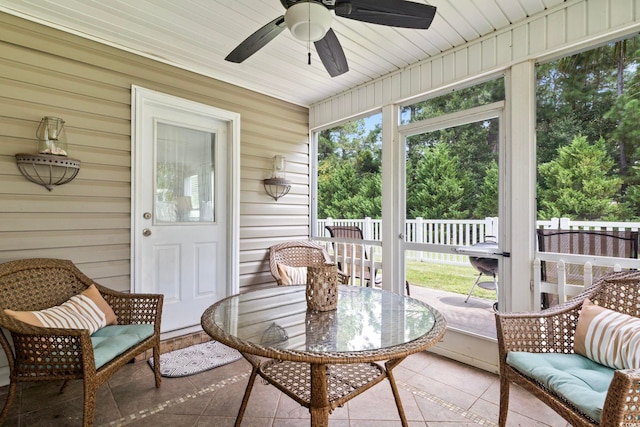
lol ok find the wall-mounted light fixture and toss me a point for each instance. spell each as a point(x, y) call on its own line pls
point(51, 166)
point(278, 185)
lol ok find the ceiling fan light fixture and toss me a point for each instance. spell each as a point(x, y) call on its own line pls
point(308, 21)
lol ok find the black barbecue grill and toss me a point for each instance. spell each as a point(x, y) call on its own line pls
point(487, 267)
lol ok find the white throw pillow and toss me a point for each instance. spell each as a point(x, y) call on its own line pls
point(292, 275)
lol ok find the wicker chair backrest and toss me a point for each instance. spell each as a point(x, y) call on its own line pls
point(36, 284)
point(296, 254)
point(619, 292)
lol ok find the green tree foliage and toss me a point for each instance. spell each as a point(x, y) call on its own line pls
point(593, 94)
point(475, 144)
point(487, 202)
point(626, 113)
point(588, 107)
point(580, 183)
point(349, 172)
point(632, 193)
point(440, 187)
point(342, 193)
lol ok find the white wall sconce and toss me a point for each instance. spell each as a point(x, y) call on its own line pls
point(277, 186)
point(51, 166)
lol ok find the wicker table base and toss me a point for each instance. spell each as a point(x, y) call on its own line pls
point(320, 387)
point(320, 359)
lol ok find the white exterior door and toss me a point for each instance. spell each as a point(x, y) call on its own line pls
point(180, 206)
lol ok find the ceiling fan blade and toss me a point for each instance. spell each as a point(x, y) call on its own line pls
point(257, 40)
point(331, 54)
point(393, 13)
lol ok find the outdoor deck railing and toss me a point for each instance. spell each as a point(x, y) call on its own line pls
point(467, 233)
point(455, 232)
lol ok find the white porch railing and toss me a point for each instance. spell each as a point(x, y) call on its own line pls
point(466, 233)
point(433, 231)
point(565, 289)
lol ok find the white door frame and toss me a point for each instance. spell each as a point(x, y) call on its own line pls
point(459, 345)
point(139, 96)
point(471, 115)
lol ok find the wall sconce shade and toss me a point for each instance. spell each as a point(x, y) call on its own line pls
point(50, 167)
point(277, 186)
point(52, 138)
point(47, 170)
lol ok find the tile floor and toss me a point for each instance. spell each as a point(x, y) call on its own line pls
point(435, 391)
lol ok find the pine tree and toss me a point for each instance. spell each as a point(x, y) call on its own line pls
point(580, 183)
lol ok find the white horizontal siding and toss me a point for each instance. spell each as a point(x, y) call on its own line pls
point(565, 26)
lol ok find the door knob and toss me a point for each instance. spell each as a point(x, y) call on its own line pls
point(146, 232)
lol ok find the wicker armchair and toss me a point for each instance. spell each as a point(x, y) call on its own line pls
point(553, 331)
point(40, 283)
point(299, 254)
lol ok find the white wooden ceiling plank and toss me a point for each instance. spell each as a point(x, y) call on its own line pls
point(468, 8)
point(512, 9)
point(279, 55)
point(448, 33)
point(551, 3)
point(457, 23)
point(383, 43)
point(490, 10)
point(432, 41)
point(531, 7)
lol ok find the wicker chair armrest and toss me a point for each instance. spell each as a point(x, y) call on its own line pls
point(16, 326)
point(621, 404)
point(549, 330)
point(134, 308)
point(39, 351)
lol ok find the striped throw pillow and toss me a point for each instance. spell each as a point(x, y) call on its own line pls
point(87, 310)
point(608, 337)
point(292, 275)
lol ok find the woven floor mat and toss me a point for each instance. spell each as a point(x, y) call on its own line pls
point(195, 359)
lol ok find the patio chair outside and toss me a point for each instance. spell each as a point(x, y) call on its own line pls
point(622, 244)
point(353, 232)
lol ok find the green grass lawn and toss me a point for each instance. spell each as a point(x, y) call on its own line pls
point(446, 277)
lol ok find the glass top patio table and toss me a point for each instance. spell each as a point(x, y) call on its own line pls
point(314, 354)
point(276, 319)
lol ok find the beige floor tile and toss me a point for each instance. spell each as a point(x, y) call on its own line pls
point(435, 392)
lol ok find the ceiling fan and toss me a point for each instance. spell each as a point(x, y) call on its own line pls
point(310, 21)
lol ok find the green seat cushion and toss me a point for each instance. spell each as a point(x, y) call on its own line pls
point(110, 341)
point(579, 380)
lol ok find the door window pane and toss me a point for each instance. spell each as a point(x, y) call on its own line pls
point(185, 175)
